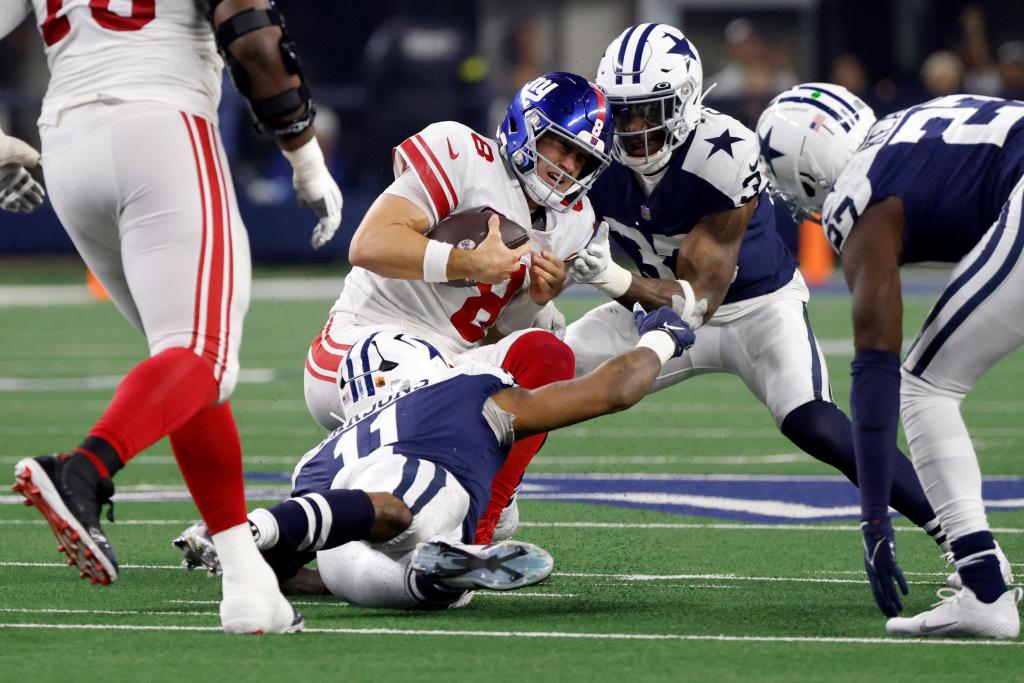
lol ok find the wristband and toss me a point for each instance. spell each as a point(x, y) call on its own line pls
point(435, 261)
point(616, 280)
point(661, 342)
point(306, 160)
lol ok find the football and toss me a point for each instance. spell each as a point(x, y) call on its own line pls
point(468, 230)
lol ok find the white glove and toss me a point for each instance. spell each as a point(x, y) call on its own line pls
point(594, 265)
point(316, 189)
point(550, 319)
point(19, 191)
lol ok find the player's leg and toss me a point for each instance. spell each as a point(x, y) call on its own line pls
point(534, 358)
point(774, 351)
point(320, 376)
point(977, 321)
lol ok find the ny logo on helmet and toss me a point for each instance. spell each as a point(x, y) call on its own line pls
point(536, 89)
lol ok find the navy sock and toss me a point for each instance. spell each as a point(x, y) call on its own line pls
point(875, 403)
point(981, 574)
point(822, 430)
point(338, 516)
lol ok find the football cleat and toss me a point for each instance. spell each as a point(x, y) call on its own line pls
point(197, 549)
point(953, 580)
point(71, 505)
point(961, 613)
point(508, 522)
point(500, 566)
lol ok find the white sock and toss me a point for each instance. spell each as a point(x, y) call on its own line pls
point(266, 528)
point(239, 557)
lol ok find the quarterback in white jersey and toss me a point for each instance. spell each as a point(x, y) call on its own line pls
point(138, 177)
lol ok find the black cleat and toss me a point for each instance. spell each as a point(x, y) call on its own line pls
point(70, 499)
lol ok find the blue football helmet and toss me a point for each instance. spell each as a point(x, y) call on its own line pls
point(569, 107)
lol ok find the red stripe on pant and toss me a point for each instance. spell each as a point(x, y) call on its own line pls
point(226, 320)
point(202, 243)
point(535, 359)
point(321, 359)
point(215, 264)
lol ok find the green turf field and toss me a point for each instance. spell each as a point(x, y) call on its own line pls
point(636, 594)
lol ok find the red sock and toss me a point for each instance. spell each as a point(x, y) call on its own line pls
point(535, 359)
point(209, 455)
point(156, 397)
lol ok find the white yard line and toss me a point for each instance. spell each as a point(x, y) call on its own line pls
point(564, 635)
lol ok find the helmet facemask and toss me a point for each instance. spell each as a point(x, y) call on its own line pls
point(668, 119)
point(528, 167)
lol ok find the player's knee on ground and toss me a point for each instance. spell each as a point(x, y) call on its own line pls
point(538, 358)
point(391, 517)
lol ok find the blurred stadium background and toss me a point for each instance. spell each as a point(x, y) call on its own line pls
point(382, 70)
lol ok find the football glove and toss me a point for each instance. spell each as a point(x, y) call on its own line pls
point(19, 191)
point(666, 320)
point(316, 190)
point(880, 564)
point(550, 319)
point(594, 265)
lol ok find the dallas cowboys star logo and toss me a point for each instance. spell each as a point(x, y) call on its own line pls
point(681, 47)
point(723, 142)
point(767, 152)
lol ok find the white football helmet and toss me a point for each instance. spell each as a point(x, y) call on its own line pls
point(807, 136)
point(651, 72)
point(382, 363)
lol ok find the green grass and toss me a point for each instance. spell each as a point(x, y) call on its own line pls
point(734, 582)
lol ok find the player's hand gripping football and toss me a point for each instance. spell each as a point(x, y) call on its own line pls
point(665, 320)
point(316, 190)
point(592, 264)
point(19, 191)
point(880, 563)
point(492, 261)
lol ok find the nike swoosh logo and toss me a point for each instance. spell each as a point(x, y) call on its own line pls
point(753, 166)
point(925, 628)
point(451, 152)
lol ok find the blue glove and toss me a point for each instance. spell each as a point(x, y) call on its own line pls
point(880, 564)
point(666, 320)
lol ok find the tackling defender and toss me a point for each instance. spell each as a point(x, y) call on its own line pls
point(551, 146)
point(137, 175)
point(686, 200)
point(941, 181)
point(427, 440)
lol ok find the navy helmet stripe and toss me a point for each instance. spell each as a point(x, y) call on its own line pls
point(840, 119)
point(622, 54)
point(831, 94)
point(639, 52)
point(409, 472)
point(815, 360)
point(352, 373)
point(435, 485)
point(364, 356)
point(972, 304)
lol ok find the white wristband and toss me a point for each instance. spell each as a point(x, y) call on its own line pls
point(616, 280)
point(435, 261)
point(306, 160)
point(659, 341)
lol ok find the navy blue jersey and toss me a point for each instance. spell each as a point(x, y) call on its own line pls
point(442, 422)
point(715, 169)
point(952, 161)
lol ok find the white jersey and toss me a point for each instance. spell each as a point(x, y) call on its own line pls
point(158, 51)
point(447, 169)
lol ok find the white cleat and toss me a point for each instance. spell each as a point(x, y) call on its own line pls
point(508, 523)
point(248, 609)
point(953, 580)
point(961, 613)
point(501, 566)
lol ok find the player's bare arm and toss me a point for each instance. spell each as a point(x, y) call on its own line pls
point(265, 69)
point(871, 264)
point(707, 256)
point(614, 386)
point(259, 53)
point(390, 242)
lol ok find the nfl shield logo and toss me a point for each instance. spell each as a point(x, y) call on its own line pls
point(645, 212)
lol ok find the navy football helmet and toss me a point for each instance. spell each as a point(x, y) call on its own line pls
point(569, 107)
